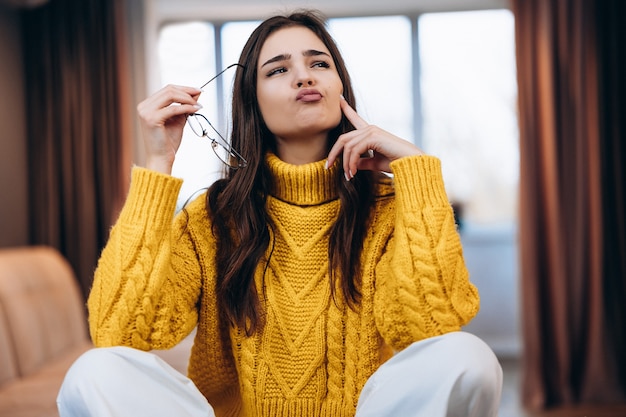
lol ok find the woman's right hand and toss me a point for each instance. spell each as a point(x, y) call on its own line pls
point(162, 117)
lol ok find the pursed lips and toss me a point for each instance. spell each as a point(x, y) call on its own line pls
point(309, 95)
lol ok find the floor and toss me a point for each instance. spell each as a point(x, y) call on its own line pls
point(510, 406)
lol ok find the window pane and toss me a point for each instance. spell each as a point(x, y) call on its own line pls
point(469, 96)
point(377, 51)
point(187, 57)
point(234, 37)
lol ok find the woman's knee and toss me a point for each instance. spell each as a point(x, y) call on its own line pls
point(478, 373)
point(91, 371)
point(115, 381)
point(471, 375)
point(94, 364)
point(475, 359)
point(455, 374)
point(98, 367)
point(457, 361)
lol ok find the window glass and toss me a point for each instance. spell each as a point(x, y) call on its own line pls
point(377, 51)
point(187, 57)
point(469, 104)
point(234, 37)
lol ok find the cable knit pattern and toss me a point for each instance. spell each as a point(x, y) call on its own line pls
point(156, 277)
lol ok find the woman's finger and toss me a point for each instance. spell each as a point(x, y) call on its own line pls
point(357, 145)
point(351, 114)
point(169, 102)
point(357, 121)
point(367, 147)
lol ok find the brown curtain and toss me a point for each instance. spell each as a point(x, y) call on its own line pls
point(572, 201)
point(77, 130)
point(612, 81)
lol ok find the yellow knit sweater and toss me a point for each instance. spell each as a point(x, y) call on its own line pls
point(155, 282)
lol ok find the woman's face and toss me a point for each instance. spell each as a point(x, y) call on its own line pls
point(298, 87)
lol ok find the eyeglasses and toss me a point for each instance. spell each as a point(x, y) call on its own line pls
point(202, 127)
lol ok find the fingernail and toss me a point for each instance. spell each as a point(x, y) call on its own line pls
point(345, 174)
point(326, 164)
point(342, 97)
point(197, 106)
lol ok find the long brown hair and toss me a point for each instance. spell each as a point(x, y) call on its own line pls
point(236, 203)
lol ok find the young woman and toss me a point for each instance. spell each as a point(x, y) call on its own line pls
point(318, 285)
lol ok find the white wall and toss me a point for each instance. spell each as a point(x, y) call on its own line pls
point(491, 256)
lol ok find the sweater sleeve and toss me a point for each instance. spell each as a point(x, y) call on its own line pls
point(147, 281)
point(422, 284)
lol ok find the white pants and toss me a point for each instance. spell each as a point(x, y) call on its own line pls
point(454, 375)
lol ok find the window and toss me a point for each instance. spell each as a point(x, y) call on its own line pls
point(379, 62)
point(189, 54)
point(186, 57)
point(469, 105)
point(445, 81)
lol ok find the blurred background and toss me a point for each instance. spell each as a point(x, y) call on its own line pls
point(522, 101)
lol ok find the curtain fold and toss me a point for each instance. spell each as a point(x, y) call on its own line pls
point(77, 135)
point(571, 250)
point(612, 71)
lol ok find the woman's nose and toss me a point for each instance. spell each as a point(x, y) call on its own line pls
point(304, 78)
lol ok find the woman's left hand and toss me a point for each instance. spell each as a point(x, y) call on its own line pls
point(385, 146)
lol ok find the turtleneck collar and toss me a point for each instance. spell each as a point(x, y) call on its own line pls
point(307, 184)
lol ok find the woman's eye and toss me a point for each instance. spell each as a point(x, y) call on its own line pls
point(321, 64)
point(276, 71)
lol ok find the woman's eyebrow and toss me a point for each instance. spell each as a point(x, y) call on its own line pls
point(277, 58)
point(314, 52)
point(286, 57)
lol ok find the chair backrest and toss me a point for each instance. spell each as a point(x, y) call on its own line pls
point(8, 363)
point(42, 309)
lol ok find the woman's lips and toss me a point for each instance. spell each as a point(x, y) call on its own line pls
point(309, 95)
